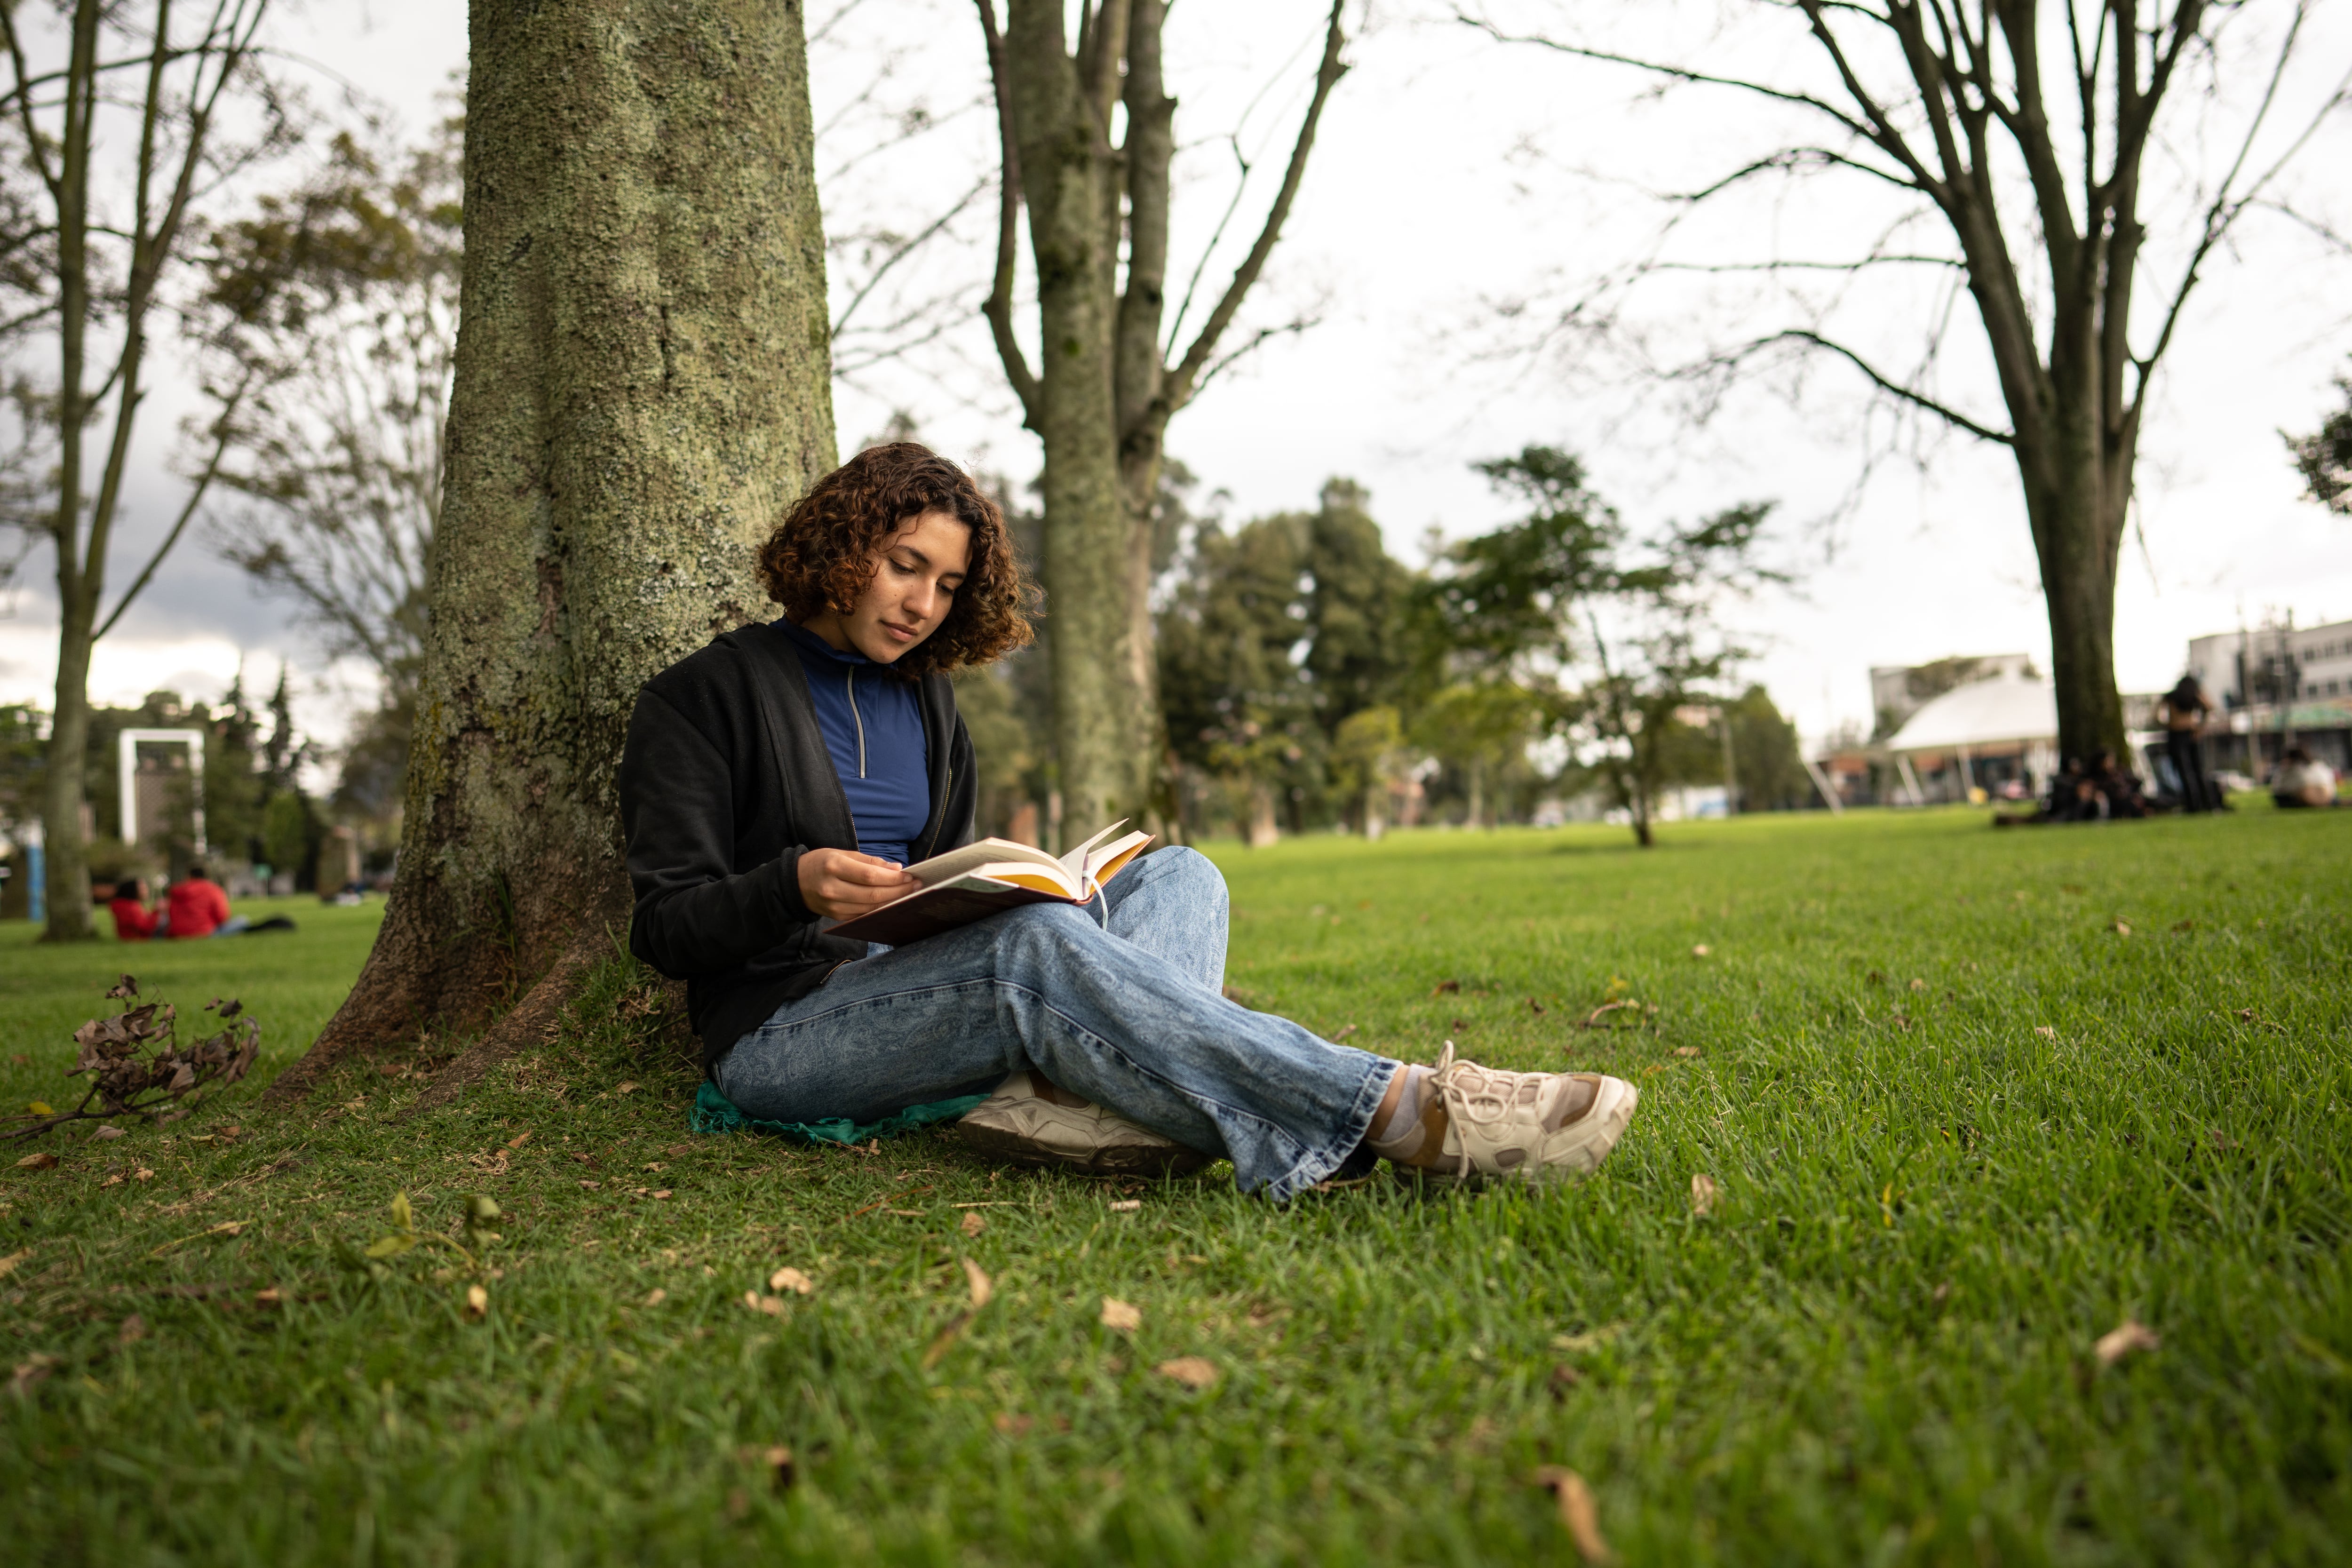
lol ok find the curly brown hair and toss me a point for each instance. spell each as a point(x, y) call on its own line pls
point(825, 551)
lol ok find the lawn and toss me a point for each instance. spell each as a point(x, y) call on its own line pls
point(1959, 1121)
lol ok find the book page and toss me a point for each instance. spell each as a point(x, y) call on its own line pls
point(1075, 862)
point(958, 862)
point(1105, 863)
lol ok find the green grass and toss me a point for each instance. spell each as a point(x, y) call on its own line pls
point(1961, 1127)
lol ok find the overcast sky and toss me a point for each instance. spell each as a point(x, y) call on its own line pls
point(1454, 176)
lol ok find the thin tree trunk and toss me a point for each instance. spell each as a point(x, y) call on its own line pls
point(67, 850)
point(1105, 387)
point(641, 391)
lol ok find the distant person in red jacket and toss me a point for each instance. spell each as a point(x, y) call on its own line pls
point(196, 906)
point(133, 921)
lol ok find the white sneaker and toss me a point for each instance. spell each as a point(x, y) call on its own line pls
point(1031, 1122)
point(1528, 1127)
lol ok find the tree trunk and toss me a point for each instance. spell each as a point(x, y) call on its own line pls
point(1104, 389)
point(65, 877)
point(2078, 479)
point(641, 391)
point(1069, 182)
point(1264, 830)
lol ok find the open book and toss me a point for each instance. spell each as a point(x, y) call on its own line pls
point(988, 878)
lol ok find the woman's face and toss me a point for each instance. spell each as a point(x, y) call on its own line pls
point(916, 576)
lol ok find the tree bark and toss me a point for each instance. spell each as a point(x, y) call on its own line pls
point(1068, 181)
point(1104, 389)
point(641, 391)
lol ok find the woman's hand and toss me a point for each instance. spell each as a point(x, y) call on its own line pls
point(842, 884)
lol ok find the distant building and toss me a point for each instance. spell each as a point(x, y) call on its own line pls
point(2277, 687)
point(2242, 669)
point(1899, 690)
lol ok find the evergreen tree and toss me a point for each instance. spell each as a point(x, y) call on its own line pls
point(1359, 609)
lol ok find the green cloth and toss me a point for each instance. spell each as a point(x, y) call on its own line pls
point(714, 1113)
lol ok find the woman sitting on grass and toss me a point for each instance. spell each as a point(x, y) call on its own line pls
point(780, 780)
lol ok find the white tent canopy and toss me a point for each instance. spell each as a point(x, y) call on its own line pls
point(2005, 710)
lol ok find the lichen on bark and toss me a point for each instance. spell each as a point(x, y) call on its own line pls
point(641, 391)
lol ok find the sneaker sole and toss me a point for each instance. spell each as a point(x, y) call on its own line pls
point(1604, 1126)
point(1112, 1159)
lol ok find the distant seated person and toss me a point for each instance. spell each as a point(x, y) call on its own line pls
point(2074, 795)
point(2303, 780)
point(2119, 787)
point(198, 906)
point(133, 921)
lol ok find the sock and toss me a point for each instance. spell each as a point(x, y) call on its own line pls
point(1416, 1127)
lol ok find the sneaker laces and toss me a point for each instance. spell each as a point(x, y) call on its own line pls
point(1482, 1102)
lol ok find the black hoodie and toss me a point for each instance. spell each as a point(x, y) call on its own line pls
point(725, 783)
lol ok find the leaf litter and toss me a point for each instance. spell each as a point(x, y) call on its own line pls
point(1578, 1514)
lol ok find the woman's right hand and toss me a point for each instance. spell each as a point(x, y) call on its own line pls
point(842, 884)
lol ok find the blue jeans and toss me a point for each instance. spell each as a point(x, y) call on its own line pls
point(1120, 1000)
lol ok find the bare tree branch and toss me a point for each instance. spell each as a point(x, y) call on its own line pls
point(1182, 381)
point(197, 491)
point(999, 308)
point(1881, 380)
point(2224, 210)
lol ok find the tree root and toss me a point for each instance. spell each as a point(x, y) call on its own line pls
point(531, 1021)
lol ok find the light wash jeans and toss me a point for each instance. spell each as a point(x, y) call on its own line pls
point(1124, 1006)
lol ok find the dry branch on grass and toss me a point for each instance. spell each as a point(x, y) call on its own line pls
point(123, 1085)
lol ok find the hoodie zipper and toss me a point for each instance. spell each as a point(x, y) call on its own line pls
point(849, 680)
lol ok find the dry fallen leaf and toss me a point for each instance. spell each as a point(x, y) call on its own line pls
point(1009, 1424)
point(1127, 1205)
point(270, 1296)
point(981, 1289)
point(133, 1330)
point(1701, 950)
point(656, 1296)
point(771, 1305)
point(1577, 1512)
point(520, 1139)
point(2046, 1031)
point(2121, 928)
point(44, 1160)
point(1918, 985)
point(8, 1264)
point(142, 1174)
point(102, 1134)
point(2124, 1338)
point(945, 1340)
point(1447, 988)
point(1703, 1195)
point(793, 1279)
point(1192, 1371)
point(660, 1192)
point(478, 1304)
point(39, 1107)
point(973, 1224)
point(1118, 1314)
point(30, 1373)
point(1686, 1051)
point(1578, 1515)
point(628, 1089)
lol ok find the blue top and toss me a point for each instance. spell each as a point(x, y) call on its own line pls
point(873, 725)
